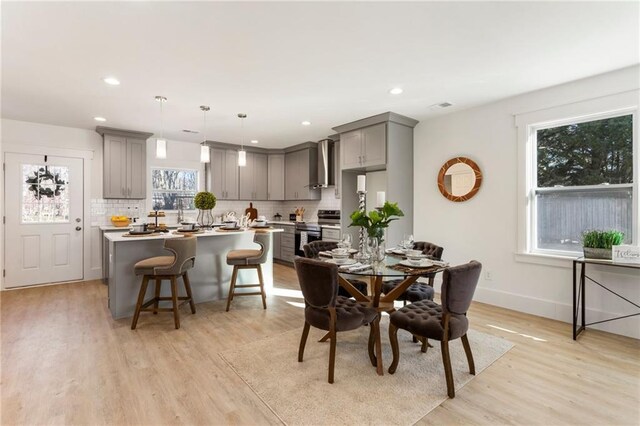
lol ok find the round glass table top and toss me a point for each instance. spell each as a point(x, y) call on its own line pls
point(392, 266)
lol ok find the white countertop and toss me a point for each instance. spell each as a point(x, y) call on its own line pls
point(126, 228)
point(294, 224)
point(118, 237)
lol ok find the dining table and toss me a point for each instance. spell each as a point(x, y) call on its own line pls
point(394, 266)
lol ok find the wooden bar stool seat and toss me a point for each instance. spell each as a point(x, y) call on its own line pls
point(169, 268)
point(249, 259)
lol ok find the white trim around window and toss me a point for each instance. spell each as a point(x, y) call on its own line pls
point(527, 124)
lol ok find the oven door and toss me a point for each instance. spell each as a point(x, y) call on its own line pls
point(311, 236)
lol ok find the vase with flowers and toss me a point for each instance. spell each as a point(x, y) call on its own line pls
point(376, 221)
point(205, 202)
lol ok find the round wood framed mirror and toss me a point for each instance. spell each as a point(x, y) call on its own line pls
point(459, 179)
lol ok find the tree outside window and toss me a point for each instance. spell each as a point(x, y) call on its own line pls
point(174, 188)
point(584, 181)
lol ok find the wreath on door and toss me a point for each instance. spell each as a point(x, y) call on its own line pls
point(40, 187)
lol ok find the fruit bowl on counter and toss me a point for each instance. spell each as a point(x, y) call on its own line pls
point(120, 221)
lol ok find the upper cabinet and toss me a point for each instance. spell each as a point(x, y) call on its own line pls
point(253, 177)
point(125, 163)
point(275, 189)
point(301, 172)
point(364, 148)
point(223, 174)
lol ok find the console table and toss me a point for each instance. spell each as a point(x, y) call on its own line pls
point(579, 291)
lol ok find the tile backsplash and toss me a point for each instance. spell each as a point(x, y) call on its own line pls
point(102, 210)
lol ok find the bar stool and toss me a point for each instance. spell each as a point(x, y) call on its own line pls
point(249, 259)
point(167, 268)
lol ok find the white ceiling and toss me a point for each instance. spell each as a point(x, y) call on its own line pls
point(282, 63)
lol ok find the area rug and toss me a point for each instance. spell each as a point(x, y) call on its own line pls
point(299, 394)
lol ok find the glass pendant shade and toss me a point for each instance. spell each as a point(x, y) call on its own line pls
point(242, 158)
point(204, 154)
point(161, 148)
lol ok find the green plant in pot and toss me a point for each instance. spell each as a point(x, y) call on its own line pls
point(597, 244)
point(205, 202)
point(377, 220)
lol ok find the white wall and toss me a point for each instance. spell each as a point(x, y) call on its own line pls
point(485, 227)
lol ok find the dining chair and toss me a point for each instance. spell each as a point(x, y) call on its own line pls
point(418, 290)
point(312, 251)
point(159, 268)
point(445, 322)
point(325, 310)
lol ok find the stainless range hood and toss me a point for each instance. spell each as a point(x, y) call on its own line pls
point(326, 164)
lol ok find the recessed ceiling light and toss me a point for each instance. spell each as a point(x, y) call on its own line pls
point(112, 81)
point(254, 141)
point(99, 118)
point(396, 91)
point(306, 123)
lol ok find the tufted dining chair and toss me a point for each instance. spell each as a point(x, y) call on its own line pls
point(418, 290)
point(444, 322)
point(325, 310)
point(312, 251)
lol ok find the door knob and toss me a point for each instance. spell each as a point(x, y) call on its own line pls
point(78, 228)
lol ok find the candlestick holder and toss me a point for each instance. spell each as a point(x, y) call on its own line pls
point(362, 207)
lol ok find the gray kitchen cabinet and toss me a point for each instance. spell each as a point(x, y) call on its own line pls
point(137, 168)
point(276, 238)
point(253, 177)
point(275, 190)
point(301, 172)
point(124, 163)
point(287, 243)
point(223, 174)
point(366, 147)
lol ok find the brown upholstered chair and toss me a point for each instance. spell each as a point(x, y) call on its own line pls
point(169, 268)
point(249, 259)
point(418, 290)
point(444, 322)
point(312, 250)
point(325, 310)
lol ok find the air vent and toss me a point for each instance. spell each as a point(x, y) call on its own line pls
point(190, 131)
point(441, 105)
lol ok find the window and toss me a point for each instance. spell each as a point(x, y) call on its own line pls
point(584, 180)
point(174, 189)
point(45, 194)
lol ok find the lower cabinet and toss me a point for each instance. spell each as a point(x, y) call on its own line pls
point(283, 243)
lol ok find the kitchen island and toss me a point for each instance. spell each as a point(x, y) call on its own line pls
point(209, 278)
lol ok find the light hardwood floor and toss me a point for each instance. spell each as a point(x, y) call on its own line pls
point(65, 361)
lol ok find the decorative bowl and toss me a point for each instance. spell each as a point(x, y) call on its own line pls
point(340, 258)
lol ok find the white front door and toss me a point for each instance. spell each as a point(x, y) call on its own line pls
point(44, 222)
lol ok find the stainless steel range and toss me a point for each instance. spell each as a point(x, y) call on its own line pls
point(306, 232)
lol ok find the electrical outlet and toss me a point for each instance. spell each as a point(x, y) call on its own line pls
point(488, 275)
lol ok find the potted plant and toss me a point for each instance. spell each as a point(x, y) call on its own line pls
point(597, 244)
point(377, 220)
point(205, 202)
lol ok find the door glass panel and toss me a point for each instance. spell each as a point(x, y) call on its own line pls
point(45, 194)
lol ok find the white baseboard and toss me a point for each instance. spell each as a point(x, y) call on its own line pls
point(558, 311)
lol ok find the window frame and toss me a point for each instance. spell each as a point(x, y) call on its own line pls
point(528, 125)
point(153, 190)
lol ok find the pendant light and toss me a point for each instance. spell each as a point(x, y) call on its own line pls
point(204, 149)
point(242, 154)
point(161, 142)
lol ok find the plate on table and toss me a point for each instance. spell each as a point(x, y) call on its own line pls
point(227, 228)
point(395, 250)
point(341, 262)
point(260, 226)
point(424, 263)
point(188, 230)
